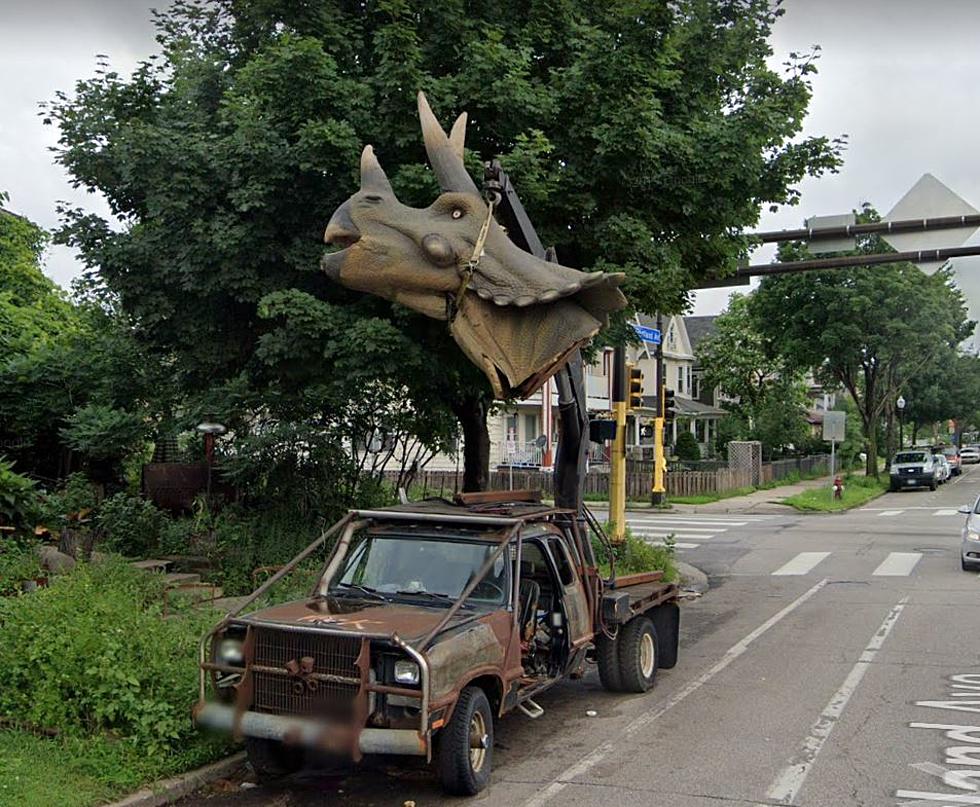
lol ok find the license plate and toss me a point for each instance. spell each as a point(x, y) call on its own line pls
point(913, 481)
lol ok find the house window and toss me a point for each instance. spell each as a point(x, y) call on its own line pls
point(696, 387)
point(511, 428)
point(680, 380)
point(700, 432)
point(530, 428)
point(689, 380)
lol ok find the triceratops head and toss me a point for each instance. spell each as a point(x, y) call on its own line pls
point(515, 316)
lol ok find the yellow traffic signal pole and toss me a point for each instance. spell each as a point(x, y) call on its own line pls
point(617, 480)
point(659, 491)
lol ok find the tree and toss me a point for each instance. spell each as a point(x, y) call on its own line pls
point(640, 139)
point(868, 329)
point(769, 400)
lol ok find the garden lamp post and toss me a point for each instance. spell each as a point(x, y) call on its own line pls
point(900, 403)
point(210, 431)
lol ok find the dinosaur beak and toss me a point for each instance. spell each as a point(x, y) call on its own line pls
point(342, 232)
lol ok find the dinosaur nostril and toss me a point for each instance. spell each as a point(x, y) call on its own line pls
point(439, 250)
point(341, 229)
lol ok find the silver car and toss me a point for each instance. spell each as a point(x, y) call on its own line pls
point(943, 470)
point(969, 455)
point(970, 547)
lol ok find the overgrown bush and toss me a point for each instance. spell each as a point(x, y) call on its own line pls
point(76, 496)
point(91, 655)
point(130, 525)
point(636, 555)
point(18, 497)
point(19, 562)
point(687, 447)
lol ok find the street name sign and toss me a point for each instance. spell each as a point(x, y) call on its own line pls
point(651, 335)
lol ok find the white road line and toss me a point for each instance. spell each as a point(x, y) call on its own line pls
point(802, 563)
point(677, 544)
point(786, 787)
point(684, 528)
point(678, 535)
point(897, 564)
point(891, 512)
point(686, 522)
point(610, 747)
point(946, 513)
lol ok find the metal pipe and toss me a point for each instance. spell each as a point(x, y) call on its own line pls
point(474, 582)
point(423, 663)
point(333, 562)
point(847, 230)
point(396, 515)
point(914, 256)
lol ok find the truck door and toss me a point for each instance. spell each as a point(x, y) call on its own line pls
point(573, 593)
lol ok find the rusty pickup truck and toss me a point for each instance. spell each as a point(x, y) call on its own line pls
point(429, 621)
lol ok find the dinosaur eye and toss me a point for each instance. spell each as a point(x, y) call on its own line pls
point(457, 213)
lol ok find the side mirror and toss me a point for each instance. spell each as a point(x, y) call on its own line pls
point(966, 510)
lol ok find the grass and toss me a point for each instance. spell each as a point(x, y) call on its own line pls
point(80, 772)
point(857, 491)
point(636, 555)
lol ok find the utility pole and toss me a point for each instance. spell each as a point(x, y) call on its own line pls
point(617, 481)
point(659, 490)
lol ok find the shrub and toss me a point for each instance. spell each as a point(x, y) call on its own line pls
point(18, 563)
point(18, 497)
point(636, 555)
point(91, 654)
point(130, 525)
point(687, 447)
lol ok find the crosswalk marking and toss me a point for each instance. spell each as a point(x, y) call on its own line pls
point(641, 527)
point(678, 535)
point(677, 545)
point(897, 564)
point(891, 512)
point(802, 563)
point(945, 513)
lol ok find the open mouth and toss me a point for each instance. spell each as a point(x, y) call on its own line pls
point(342, 233)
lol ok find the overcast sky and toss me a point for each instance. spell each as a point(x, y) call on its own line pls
point(899, 77)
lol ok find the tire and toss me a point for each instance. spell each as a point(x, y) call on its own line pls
point(967, 567)
point(893, 488)
point(638, 655)
point(607, 660)
point(932, 485)
point(271, 760)
point(463, 770)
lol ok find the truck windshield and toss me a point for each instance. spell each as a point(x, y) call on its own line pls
point(910, 456)
point(429, 569)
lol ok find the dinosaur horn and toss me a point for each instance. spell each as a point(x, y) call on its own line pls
point(373, 177)
point(445, 156)
point(457, 137)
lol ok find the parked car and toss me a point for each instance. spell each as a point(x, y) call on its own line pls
point(952, 455)
point(970, 455)
point(943, 471)
point(970, 545)
point(913, 469)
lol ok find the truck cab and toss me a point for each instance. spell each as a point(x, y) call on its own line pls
point(427, 622)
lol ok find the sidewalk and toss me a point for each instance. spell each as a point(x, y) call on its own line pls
point(759, 501)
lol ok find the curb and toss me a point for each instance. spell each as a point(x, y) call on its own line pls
point(166, 791)
point(692, 577)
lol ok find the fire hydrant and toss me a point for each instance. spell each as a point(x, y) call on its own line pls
point(838, 487)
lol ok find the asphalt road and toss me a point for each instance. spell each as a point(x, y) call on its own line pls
point(833, 662)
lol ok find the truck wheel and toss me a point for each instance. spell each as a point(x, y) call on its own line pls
point(932, 485)
point(607, 660)
point(272, 760)
point(465, 746)
point(638, 655)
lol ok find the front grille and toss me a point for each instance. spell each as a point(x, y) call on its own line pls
point(284, 694)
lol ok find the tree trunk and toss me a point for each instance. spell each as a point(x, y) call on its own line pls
point(472, 416)
point(915, 432)
point(871, 466)
point(890, 441)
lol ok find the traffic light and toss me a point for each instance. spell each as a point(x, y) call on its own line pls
point(634, 387)
point(602, 430)
point(670, 408)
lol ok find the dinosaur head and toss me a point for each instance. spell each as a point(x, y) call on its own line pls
point(515, 315)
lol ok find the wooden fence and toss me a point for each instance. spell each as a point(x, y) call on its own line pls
point(639, 478)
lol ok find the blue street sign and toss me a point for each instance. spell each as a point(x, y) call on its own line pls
point(651, 335)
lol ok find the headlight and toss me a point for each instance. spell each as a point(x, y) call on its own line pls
point(893, 469)
point(231, 652)
point(406, 672)
point(972, 535)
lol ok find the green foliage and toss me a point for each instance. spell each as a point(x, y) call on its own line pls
point(103, 432)
point(91, 654)
point(687, 448)
point(868, 329)
point(18, 497)
point(19, 562)
point(641, 140)
point(857, 491)
point(76, 496)
point(130, 525)
point(636, 555)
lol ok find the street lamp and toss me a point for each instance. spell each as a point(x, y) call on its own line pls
point(900, 403)
point(210, 431)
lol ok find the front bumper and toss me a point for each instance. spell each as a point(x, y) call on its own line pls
point(912, 480)
point(307, 732)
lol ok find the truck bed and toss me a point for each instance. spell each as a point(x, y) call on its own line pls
point(646, 590)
